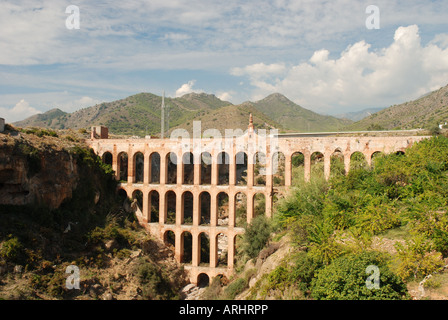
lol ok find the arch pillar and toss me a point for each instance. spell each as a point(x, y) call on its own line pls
point(347, 159)
point(307, 166)
point(131, 163)
point(231, 197)
point(213, 209)
point(327, 165)
point(115, 162)
point(196, 247)
point(288, 168)
point(213, 251)
point(162, 206)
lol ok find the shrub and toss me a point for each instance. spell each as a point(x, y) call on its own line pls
point(256, 236)
point(345, 279)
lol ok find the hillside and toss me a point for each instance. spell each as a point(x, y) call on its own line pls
point(135, 115)
point(140, 115)
point(50, 220)
point(425, 112)
point(292, 116)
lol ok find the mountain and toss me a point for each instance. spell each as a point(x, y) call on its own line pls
point(358, 115)
point(294, 117)
point(140, 115)
point(427, 111)
point(135, 115)
point(50, 119)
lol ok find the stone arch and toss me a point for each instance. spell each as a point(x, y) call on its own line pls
point(222, 205)
point(317, 164)
point(204, 246)
point(169, 238)
point(187, 207)
point(170, 207)
point(278, 169)
point(358, 160)
point(337, 166)
point(137, 202)
point(297, 168)
point(188, 172)
point(186, 247)
point(240, 209)
point(107, 158)
point(204, 208)
point(153, 206)
point(139, 173)
point(171, 168)
point(203, 280)
point(259, 169)
point(122, 195)
point(206, 168)
point(223, 161)
point(154, 174)
point(241, 168)
point(222, 244)
point(259, 201)
point(122, 166)
point(375, 155)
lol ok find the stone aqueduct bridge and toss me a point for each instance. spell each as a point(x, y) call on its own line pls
point(154, 159)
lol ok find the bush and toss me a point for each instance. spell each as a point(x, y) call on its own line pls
point(345, 279)
point(256, 236)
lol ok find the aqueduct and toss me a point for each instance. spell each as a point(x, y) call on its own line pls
point(195, 194)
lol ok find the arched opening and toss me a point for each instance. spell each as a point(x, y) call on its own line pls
point(241, 169)
point(317, 165)
point(222, 247)
point(358, 161)
point(297, 168)
point(223, 168)
point(123, 166)
point(223, 209)
point(107, 158)
point(171, 168)
point(203, 280)
point(204, 244)
point(169, 238)
point(240, 209)
point(187, 245)
point(206, 168)
point(376, 155)
point(155, 168)
point(187, 205)
point(139, 160)
point(187, 162)
point(170, 198)
point(122, 196)
point(278, 169)
point(259, 204)
point(137, 202)
point(260, 169)
point(153, 206)
point(204, 206)
point(337, 167)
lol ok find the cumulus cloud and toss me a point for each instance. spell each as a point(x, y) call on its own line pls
point(20, 111)
point(224, 96)
point(186, 88)
point(359, 77)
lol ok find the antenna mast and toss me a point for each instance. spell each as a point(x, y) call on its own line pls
point(163, 117)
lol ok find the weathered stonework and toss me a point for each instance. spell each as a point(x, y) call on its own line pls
point(248, 144)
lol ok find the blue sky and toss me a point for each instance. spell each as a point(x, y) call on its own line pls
point(318, 53)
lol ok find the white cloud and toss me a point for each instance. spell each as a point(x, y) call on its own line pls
point(20, 111)
point(359, 77)
point(187, 88)
point(224, 96)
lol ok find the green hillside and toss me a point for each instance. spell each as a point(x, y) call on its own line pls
point(425, 112)
point(292, 116)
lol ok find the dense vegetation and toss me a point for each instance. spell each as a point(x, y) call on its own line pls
point(335, 227)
